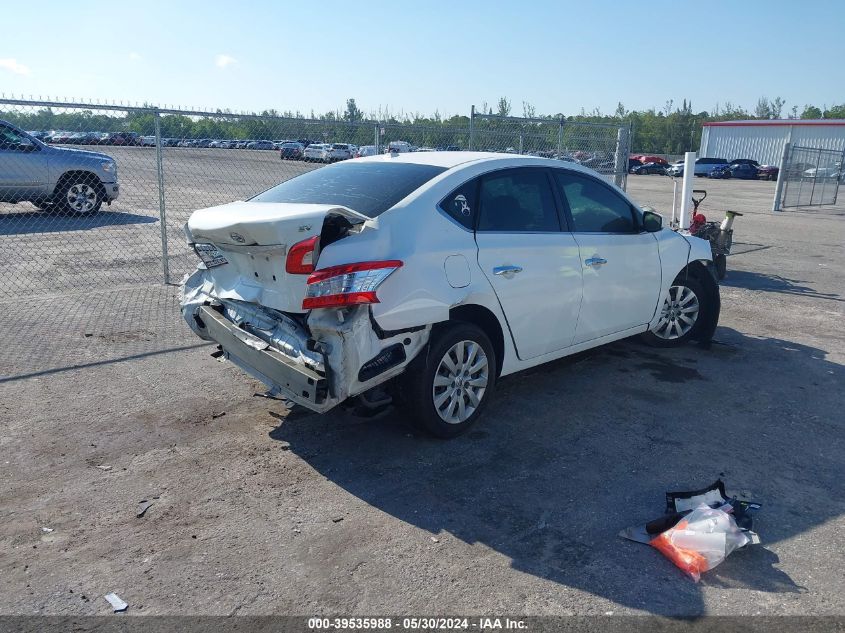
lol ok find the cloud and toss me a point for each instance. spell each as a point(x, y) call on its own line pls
point(223, 61)
point(13, 66)
point(135, 57)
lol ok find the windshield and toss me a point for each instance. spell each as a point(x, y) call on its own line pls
point(368, 188)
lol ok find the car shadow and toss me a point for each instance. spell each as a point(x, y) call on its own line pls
point(570, 453)
point(774, 283)
point(25, 222)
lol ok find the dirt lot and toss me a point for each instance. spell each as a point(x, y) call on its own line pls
point(257, 512)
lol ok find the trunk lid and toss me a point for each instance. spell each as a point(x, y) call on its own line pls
point(255, 238)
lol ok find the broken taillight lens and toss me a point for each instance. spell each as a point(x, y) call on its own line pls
point(347, 285)
point(300, 260)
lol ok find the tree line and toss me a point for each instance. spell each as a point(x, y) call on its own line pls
point(672, 129)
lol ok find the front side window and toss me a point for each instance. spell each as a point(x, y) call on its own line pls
point(595, 207)
point(517, 200)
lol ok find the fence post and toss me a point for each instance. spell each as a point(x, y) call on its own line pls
point(620, 163)
point(559, 138)
point(782, 169)
point(376, 141)
point(521, 143)
point(839, 179)
point(162, 215)
point(471, 126)
point(686, 190)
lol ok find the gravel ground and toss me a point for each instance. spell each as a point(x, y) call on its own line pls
point(260, 511)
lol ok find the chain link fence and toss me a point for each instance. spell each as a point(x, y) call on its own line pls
point(91, 212)
point(811, 176)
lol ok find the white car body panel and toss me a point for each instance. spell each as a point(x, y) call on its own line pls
point(631, 277)
point(550, 271)
point(555, 307)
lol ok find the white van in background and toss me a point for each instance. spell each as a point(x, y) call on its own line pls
point(398, 147)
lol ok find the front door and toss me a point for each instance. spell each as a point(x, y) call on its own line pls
point(620, 263)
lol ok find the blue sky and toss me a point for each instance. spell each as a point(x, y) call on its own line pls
point(426, 55)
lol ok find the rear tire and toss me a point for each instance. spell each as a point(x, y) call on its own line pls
point(681, 314)
point(445, 390)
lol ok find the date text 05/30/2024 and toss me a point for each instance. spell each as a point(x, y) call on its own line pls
point(417, 623)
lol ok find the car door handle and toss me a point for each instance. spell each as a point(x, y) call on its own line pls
point(595, 261)
point(507, 271)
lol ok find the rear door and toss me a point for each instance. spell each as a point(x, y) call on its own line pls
point(619, 262)
point(532, 264)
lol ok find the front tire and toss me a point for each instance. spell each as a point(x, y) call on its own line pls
point(80, 195)
point(681, 314)
point(445, 390)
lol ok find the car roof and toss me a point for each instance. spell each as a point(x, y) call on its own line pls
point(453, 159)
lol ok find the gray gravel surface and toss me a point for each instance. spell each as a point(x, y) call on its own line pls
point(257, 511)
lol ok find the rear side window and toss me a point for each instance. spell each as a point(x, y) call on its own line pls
point(594, 206)
point(368, 188)
point(462, 204)
point(517, 200)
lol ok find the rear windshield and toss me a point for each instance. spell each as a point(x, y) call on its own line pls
point(368, 188)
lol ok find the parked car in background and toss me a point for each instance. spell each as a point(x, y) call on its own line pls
point(69, 180)
point(147, 141)
point(827, 172)
point(650, 158)
point(398, 147)
point(260, 145)
point(742, 171)
point(59, 136)
point(703, 166)
point(123, 138)
point(544, 259)
point(291, 151)
point(649, 168)
point(366, 150)
point(76, 138)
point(744, 161)
point(316, 152)
point(676, 169)
point(339, 151)
point(768, 172)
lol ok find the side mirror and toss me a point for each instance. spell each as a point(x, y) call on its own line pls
point(652, 221)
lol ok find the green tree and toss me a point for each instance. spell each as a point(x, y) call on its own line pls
point(353, 114)
point(811, 112)
point(835, 112)
point(504, 107)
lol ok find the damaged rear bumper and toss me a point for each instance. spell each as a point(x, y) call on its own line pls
point(255, 356)
point(316, 360)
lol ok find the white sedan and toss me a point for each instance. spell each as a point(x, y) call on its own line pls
point(429, 276)
point(317, 152)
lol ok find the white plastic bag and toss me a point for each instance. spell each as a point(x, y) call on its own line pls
point(701, 540)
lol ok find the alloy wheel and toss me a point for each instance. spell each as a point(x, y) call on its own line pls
point(460, 381)
point(81, 198)
point(679, 313)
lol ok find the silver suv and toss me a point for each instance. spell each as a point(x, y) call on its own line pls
point(70, 180)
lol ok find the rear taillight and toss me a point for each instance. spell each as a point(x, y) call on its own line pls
point(300, 260)
point(350, 284)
